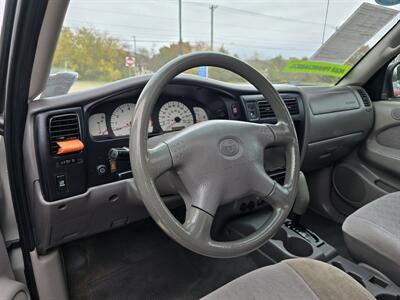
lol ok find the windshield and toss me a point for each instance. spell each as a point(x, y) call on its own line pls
point(303, 42)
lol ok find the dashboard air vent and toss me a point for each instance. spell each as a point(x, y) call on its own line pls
point(62, 128)
point(266, 111)
point(364, 97)
point(292, 105)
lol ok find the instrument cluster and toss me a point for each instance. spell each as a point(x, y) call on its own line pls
point(169, 115)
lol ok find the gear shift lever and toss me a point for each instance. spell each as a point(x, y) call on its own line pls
point(299, 208)
point(302, 198)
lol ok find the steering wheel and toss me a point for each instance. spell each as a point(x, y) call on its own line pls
point(214, 162)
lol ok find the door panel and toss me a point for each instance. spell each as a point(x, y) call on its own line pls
point(373, 170)
point(382, 147)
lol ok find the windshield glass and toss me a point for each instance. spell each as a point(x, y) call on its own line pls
point(303, 42)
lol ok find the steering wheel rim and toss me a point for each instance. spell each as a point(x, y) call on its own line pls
point(226, 143)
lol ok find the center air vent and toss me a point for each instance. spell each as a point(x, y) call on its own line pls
point(364, 97)
point(63, 128)
point(292, 105)
point(266, 111)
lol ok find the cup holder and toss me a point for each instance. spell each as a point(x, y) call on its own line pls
point(294, 245)
point(338, 265)
point(379, 287)
point(357, 278)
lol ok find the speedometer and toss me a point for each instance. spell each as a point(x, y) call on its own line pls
point(121, 119)
point(174, 115)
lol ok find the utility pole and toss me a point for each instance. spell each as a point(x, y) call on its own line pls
point(212, 8)
point(134, 54)
point(326, 18)
point(134, 45)
point(180, 27)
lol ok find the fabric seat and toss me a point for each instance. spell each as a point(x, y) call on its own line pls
point(299, 278)
point(372, 235)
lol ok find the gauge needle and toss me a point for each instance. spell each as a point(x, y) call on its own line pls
point(172, 124)
point(122, 127)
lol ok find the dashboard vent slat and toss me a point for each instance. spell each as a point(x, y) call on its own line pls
point(364, 97)
point(61, 128)
point(266, 111)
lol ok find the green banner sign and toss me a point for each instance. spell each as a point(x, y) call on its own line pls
point(317, 67)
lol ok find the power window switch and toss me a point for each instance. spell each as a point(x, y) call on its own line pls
point(61, 183)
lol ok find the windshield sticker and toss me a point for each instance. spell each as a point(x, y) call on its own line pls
point(316, 67)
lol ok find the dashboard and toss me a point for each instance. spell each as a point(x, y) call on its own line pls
point(83, 190)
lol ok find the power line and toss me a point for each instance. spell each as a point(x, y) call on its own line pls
point(233, 9)
point(253, 13)
point(169, 36)
point(157, 30)
point(240, 45)
point(114, 12)
point(247, 39)
point(326, 18)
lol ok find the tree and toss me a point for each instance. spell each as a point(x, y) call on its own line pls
point(93, 55)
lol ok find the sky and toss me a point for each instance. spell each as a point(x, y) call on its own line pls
point(268, 27)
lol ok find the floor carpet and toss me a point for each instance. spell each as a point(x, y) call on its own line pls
point(141, 262)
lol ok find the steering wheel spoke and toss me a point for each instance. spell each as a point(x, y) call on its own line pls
point(160, 160)
point(270, 190)
point(282, 134)
point(198, 224)
point(278, 196)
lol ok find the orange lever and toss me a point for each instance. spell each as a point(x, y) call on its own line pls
point(70, 146)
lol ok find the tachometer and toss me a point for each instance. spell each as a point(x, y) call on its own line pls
point(121, 119)
point(97, 125)
point(174, 115)
point(200, 114)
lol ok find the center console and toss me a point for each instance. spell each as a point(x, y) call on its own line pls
point(287, 242)
point(290, 242)
point(294, 240)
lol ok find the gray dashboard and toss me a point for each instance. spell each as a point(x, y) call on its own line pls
point(96, 202)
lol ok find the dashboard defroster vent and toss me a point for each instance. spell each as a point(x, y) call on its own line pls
point(364, 97)
point(266, 111)
point(63, 128)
